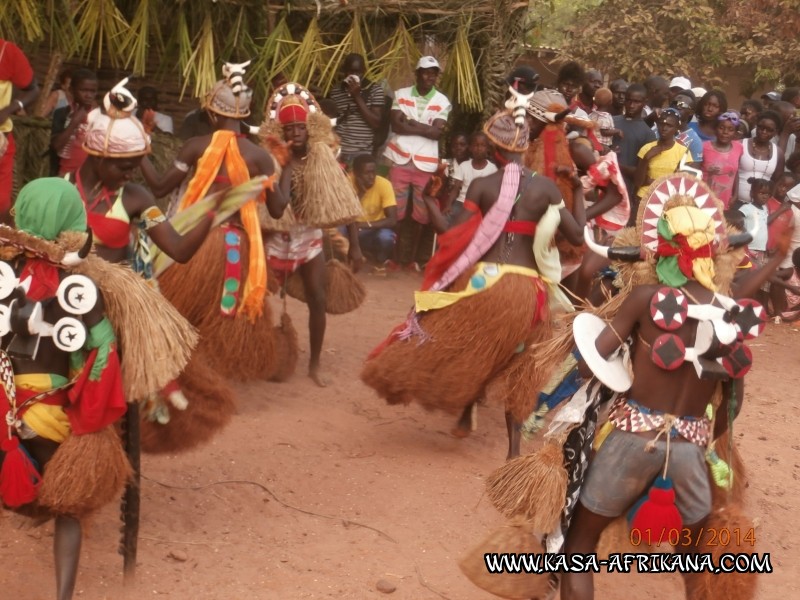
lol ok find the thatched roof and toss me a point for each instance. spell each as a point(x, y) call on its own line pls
point(421, 7)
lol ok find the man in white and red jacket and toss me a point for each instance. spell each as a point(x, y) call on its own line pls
point(419, 115)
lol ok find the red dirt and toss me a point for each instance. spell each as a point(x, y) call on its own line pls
point(401, 497)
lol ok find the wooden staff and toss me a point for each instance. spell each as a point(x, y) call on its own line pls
point(131, 498)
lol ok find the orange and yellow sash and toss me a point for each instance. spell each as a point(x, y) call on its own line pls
point(224, 146)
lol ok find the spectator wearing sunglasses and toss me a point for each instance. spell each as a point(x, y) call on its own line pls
point(687, 136)
point(720, 163)
point(663, 156)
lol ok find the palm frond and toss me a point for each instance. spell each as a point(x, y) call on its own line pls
point(460, 78)
point(136, 44)
point(100, 27)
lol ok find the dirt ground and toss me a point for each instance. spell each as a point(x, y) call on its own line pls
point(321, 493)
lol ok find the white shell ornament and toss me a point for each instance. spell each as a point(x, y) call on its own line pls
point(69, 334)
point(77, 294)
point(8, 280)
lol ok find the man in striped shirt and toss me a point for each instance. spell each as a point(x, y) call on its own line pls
point(359, 105)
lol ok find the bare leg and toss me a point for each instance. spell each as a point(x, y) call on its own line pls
point(584, 532)
point(777, 292)
point(513, 436)
point(314, 276)
point(464, 425)
point(416, 237)
point(67, 551)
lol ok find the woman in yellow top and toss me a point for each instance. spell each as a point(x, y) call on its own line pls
point(663, 156)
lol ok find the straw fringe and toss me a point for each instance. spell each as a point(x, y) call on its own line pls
point(533, 487)
point(329, 199)
point(730, 586)
point(154, 340)
point(518, 385)
point(461, 348)
point(514, 537)
point(268, 223)
point(344, 292)
point(241, 348)
point(85, 473)
point(720, 496)
point(13, 242)
point(616, 538)
point(211, 406)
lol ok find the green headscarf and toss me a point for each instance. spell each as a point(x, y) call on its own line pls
point(49, 206)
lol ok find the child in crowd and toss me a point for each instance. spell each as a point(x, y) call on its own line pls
point(781, 217)
point(459, 153)
point(742, 131)
point(69, 124)
point(469, 170)
point(602, 116)
point(663, 156)
point(721, 156)
point(756, 216)
point(459, 149)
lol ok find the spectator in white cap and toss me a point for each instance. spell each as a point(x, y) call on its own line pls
point(678, 85)
point(770, 98)
point(419, 115)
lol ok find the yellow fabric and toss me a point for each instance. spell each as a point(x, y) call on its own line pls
point(48, 421)
point(563, 370)
point(224, 146)
point(484, 276)
point(548, 259)
point(699, 229)
point(118, 211)
point(376, 199)
point(5, 100)
point(602, 434)
point(663, 164)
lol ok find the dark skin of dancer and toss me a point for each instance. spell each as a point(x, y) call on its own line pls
point(314, 272)
point(678, 392)
point(257, 159)
point(582, 282)
point(535, 196)
point(49, 359)
point(99, 175)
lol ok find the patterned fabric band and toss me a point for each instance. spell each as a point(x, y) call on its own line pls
point(628, 415)
point(152, 217)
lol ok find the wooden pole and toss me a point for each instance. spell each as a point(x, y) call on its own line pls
point(53, 70)
point(131, 498)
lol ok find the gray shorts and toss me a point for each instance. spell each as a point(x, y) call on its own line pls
point(622, 471)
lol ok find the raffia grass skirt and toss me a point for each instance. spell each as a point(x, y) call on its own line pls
point(461, 348)
point(241, 348)
point(210, 407)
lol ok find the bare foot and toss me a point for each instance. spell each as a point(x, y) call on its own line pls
point(317, 377)
point(467, 423)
